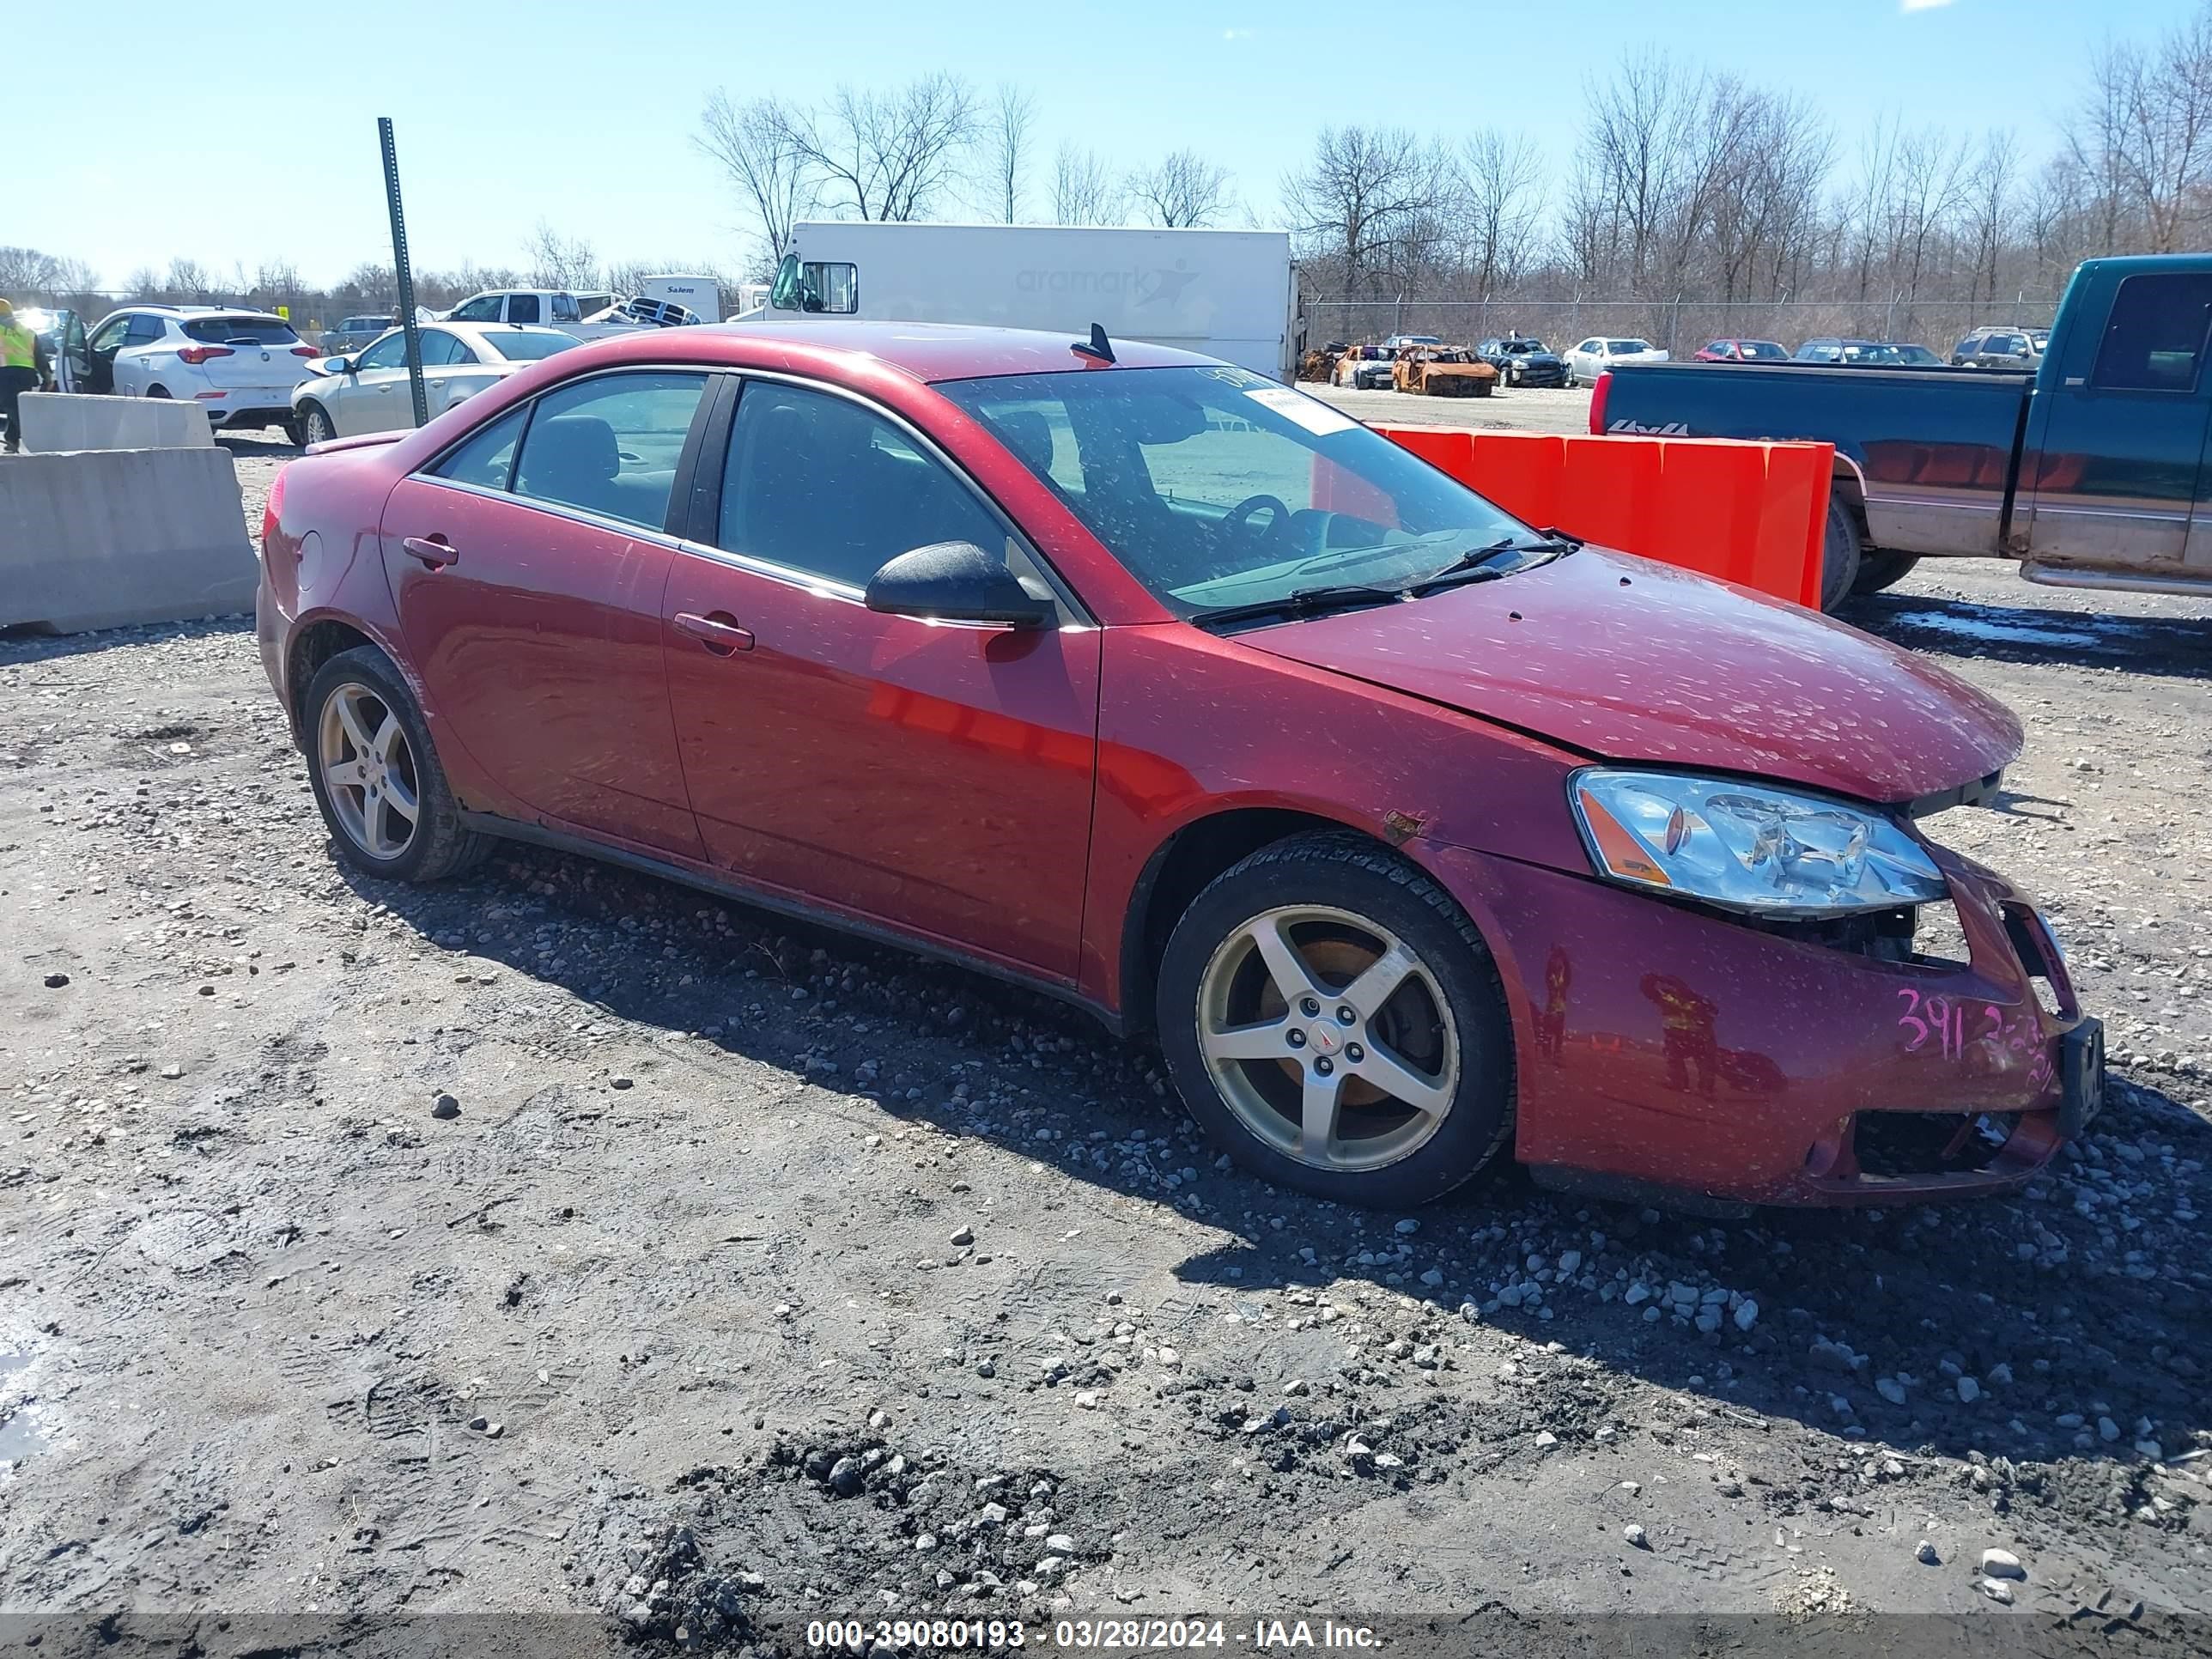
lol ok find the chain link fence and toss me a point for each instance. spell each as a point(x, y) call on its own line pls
point(1681, 325)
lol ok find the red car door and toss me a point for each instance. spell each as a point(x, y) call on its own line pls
point(935, 779)
point(528, 567)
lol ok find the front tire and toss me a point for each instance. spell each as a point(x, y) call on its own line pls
point(376, 777)
point(1840, 555)
point(1879, 567)
point(315, 424)
point(1334, 1020)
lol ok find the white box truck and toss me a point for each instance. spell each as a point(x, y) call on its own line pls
point(1228, 293)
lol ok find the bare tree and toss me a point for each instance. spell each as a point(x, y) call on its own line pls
point(752, 145)
point(558, 261)
point(887, 154)
point(1366, 192)
point(188, 279)
point(1180, 191)
point(1497, 190)
point(27, 274)
point(1988, 208)
point(1013, 119)
point(1084, 189)
point(2149, 135)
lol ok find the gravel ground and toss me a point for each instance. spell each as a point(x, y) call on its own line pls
point(561, 1240)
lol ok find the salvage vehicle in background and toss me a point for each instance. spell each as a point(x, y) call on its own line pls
point(239, 367)
point(372, 392)
point(1441, 372)
point(1586, 362)
point(909, 626)
point(1741, 351)
point(1523, 360)
point(2092, 472)
point(2003, 347)
point(1366, 367)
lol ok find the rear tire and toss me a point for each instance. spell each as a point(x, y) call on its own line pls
point(1879, 567)
point(157, 392)
point(369, 761)
point(1394, 1106)
point(1840, 555)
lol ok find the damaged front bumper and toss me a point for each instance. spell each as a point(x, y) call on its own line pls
point(1664, 1046)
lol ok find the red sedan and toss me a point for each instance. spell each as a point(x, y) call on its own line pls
point(1416, 834)
point(1741, 351)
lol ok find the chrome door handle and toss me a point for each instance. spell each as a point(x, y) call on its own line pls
point(719, 632)
point(431, 549)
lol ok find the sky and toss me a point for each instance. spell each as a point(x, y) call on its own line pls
point(246, 143)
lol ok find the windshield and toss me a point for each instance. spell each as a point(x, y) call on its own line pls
point(527, 345)
point(2040, 338)
point(1218, 488)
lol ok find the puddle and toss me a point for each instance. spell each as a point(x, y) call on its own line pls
point(20, 1434)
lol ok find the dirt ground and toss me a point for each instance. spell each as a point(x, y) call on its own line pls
point(1525, 409)
point(762, 1277)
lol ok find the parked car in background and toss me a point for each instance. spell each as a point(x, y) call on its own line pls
point(1846, 354)
point(2092, 472)
point(240, 367)
point(1586, 362)
point(1368, 367)
point(352, 333)
point(2002, 347)
point(1741, 351)
point(1394, 343)
point(1904, 354)
point(370, 392)
point(878, 625)
point(1523, 360)
point(585, 316)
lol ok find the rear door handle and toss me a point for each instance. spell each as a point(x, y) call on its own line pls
point(719, 633)
point(431, 549)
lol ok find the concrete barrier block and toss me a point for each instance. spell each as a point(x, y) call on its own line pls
point(56, 421)
point(106, 538)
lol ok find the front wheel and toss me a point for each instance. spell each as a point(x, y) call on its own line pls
point(315, 425)
point(1334, 1022)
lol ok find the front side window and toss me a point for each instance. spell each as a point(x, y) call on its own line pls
point(109, 335)
point(830, 287)
point(487, 460)
point(390, 352)
point(522, 307)
point(1219, 489)
point(818, 483)
point(2155, 338)
point(485, 308)
point(609, 445)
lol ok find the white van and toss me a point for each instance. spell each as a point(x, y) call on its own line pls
point(1228, 293)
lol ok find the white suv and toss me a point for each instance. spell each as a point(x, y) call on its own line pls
point(238, 366)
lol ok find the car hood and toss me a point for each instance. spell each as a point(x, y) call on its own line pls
point(1626, 659)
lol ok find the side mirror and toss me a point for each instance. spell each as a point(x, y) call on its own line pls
point(957, 582)
point(334, 366)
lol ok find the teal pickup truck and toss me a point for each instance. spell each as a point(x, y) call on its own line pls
point(2093, 472)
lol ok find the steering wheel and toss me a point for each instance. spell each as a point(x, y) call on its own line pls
point(1237, 524)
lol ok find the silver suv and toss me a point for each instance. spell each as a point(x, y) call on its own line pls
point(2004, 346)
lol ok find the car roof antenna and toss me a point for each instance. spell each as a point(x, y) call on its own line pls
point(1097, 347)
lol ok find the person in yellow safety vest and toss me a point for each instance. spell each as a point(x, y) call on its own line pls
point(22, 368)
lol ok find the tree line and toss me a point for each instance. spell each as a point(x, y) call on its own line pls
point(1690, 187)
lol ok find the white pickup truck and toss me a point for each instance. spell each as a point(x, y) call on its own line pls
point(588, 316)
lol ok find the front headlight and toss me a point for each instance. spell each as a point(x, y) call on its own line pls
point(1749, 846)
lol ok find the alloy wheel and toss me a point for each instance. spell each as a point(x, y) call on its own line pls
point(1328, 1037)
point(319, 427)
point(368, 769)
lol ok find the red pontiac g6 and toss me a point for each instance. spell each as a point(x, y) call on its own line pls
point(1417, 835)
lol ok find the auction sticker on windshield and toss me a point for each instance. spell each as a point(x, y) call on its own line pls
point(1316, 416)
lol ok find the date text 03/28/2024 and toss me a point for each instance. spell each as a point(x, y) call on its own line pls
point(1091, 1635)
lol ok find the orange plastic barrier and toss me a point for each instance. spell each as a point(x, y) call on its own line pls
point(1753, 513)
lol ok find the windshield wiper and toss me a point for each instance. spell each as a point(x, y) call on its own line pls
point(1303, 602)
point(1480, 563)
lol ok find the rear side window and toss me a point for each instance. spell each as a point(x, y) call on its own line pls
point(2155, 339)
point(609, 445)
point(488, 458)
point(816, 483)
point(143, 331)
point(439, 349)
point(223, 331)
point(564, 310)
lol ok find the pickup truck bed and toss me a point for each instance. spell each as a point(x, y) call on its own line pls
point(2093, 472)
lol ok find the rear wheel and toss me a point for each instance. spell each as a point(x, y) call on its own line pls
point(1879, 567)
point(157, 392)
point(1333, 1019)
point(1839, 560)
point(376, 777)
